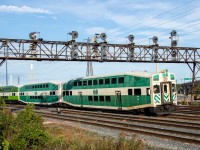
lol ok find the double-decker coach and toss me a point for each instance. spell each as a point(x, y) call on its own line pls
point(131, 91)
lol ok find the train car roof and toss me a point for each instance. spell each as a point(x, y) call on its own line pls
point(53, 82)
point(139, 74)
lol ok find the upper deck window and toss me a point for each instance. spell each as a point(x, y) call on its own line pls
point(89, 82)
point(107, 81)
point(113, 80)
point(156, 78)
point(100, 81)
point(84, 83)
point(75, 83)
point(94, 82)
point(79, 83)
point(121, 80)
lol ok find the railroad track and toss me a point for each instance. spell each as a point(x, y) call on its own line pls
point(180, 136)
point(192, 117)
point(139, 119)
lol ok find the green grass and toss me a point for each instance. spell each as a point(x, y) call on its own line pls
point(72, 138)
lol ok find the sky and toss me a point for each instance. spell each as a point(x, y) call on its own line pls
point(118, 19)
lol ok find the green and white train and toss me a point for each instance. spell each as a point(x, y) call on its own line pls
point(131, 91)
point(41, 93)
point(141, 91)
point(10, 94)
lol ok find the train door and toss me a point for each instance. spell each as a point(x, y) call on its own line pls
point(118, 99)
point(166, 92)
point(80, 99)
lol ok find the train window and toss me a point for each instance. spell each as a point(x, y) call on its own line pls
point(94, 82)
point(90, 98)
point(50, 93)
point(95, 98)
point(75, 83)
point(84, 83)
point(107, 81)
point(107, 98)
point(113, 80)
point(148, 91)
point(156, 89)
point(40, 86)
point(66, 93)
point(63, 93)
point(43, 85)
point(121, 80)
point(100, 81)
point(33, 87)
point(165, 88)
point(130, 92)
point(79, 83)
point(70, 92)
point(89, 82)
point(101, 98)
point(47, 85)
point(173, 88)
point(137, 91)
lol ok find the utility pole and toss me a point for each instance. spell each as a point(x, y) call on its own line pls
point(31, 75)
point(89, 70)
point(18, 80)
point(6, 73)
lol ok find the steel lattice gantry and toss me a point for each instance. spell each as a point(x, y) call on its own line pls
point(19, 49)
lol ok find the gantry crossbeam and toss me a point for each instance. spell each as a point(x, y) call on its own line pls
point(20, 49)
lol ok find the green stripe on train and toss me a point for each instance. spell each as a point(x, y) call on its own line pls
point(14, 98)
point(44, 99)
point(124, 101)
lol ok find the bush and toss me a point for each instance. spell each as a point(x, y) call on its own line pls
point(30, 132)
point(195, 104)
point(184, 102)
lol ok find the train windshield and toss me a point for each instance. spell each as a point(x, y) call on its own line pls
point(173, 88)
point(156, 89)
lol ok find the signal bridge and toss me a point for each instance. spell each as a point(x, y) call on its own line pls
point(41, 50)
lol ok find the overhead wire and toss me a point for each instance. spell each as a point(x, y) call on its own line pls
point(165, 12)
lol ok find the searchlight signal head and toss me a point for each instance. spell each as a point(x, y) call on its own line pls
point(173, 33)
point(33, 35)
point(103, 36)
point(74, 34)
point(155, 39)
point(131, 38)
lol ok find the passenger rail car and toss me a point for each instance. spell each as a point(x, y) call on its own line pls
point(10, 94)
point(40, 93)
point(152, 93)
